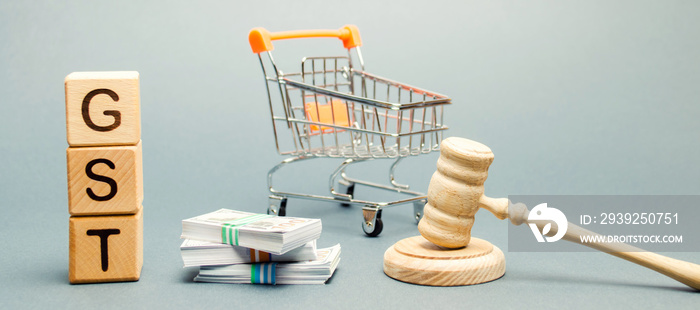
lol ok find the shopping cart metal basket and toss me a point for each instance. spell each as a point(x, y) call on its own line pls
point(333, 108)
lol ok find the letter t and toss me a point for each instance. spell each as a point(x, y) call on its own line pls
point(104, 234)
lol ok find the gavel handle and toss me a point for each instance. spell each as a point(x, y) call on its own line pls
point(497, 206)
point(682, 271)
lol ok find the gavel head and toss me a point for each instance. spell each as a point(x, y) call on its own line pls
point(454, 192)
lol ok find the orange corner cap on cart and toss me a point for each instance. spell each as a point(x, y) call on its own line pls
point(261, 40)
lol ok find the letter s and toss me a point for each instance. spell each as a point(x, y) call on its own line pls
point(101, 178)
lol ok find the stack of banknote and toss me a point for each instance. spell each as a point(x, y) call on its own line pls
point(240, 247)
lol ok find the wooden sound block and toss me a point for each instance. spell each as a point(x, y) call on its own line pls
point(105, 180)
point(416, 260)
point(105, 248)
point(103, 108)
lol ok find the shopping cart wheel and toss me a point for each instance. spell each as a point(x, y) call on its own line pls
point(375, 230)
point(372, 224)
point(347, 187)
point(278, 206)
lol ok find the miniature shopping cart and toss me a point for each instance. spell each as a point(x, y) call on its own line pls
point(332, 108)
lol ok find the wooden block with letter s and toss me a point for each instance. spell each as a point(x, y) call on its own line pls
point(103, 108)
point(105, 248)
point(105, 180)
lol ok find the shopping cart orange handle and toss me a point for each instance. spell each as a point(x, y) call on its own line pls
point(261, 40)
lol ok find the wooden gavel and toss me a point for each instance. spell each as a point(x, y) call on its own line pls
point(456, 192)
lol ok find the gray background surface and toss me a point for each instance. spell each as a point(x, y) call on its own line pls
point(586, 97)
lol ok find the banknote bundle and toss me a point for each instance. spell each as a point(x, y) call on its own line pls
point(273, 234)
point(203, 253)
point(240, 247)
point(310, 272)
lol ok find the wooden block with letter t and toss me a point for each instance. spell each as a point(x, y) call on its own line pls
point(103, 108)
point(105, 248)
point(105, 180)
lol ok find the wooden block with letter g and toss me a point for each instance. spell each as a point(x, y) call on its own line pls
point(105, 180)
point(105, 248)
point(103, 108)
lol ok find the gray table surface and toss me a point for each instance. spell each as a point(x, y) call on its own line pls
point(593, 97)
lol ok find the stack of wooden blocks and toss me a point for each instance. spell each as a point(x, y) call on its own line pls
point(105, 176)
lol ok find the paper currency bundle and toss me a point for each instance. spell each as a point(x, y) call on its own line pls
point(203, 253)
point(241, 247)
point(309, 272)
point(272, 234)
